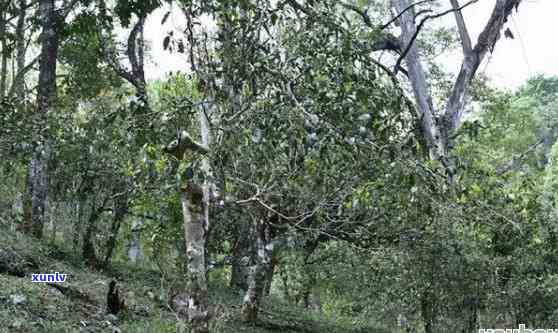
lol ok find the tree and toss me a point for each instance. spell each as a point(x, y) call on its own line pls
point(438, 129)
point(37, 187)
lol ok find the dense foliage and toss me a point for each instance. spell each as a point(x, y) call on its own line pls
point(315, 180)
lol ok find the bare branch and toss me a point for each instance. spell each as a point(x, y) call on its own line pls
point(20, 76)
point(421, 25)
point(462, 28)
point(134, 52)
point(384, 26)
point(486, 42)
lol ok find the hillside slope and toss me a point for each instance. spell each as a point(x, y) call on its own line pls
point(79, 304)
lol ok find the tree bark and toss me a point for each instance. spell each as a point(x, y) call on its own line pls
point(26, 200)
point(257, 272)
point(420, 87)
point(427, 312)
point(4, 53)
point(269, 273)
point(78, 222)
point(195, 206)
point(311, 294)
point(19, 81)
point(53, 221)
point(46, 93)
point(88, 248)
point(242, 252)
point(120, 210)
point(193, 209)
point(135, 253)
point(438, 132)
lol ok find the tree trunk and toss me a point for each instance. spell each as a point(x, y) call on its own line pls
point(53, 221)
point(427, 312)
point(134, 250)
point(52, 206)
point(78, 222)
point(19, 81)
point(285, 282)
point(88, 247)
point(120, 210)
point(46, 92)
point(193, 208)
point(4, 54)
point(38, 189)
point(243, 251)
point(437, 132)
point(471, 313)
point(419, 84)
point(257, 272)
point(241, 254)
point(269, 273)
point(310, 292)
point(26, 201)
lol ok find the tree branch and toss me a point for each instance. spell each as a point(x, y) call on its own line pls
point(486, 42)
point(135, 75)
point(185, 142)
point(33, 3)
point(384, 26)
point(421, 25)
point(513, 163)
point(387, 42)
point(134, 55)
point(67, 8)
point(462, 28)
point(20, 76)
point(365, 17)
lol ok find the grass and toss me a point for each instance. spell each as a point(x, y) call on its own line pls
point(46, 309)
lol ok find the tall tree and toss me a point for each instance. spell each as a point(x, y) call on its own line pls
point(51, 20)
point(4, 55)
point(18, 86)
point(438, 127)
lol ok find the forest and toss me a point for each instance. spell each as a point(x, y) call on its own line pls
point(311, 166)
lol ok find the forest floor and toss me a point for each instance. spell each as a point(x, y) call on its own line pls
point(79, 304)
